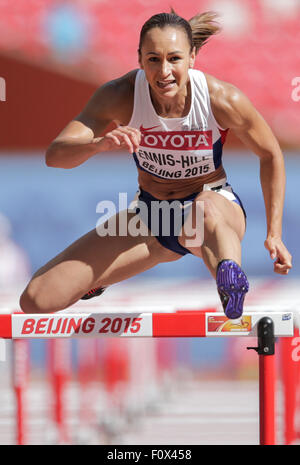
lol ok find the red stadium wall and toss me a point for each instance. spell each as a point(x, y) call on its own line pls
point(39, 103)
point(257, 50)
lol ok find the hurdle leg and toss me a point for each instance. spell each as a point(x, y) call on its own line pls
point(267, 399)
point(20, 360)
point(266, 353)
point(289, 376)
point(59, 367)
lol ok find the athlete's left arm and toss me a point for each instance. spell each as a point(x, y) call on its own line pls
point(233, 110)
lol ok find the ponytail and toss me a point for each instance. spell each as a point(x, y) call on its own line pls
point(203, 26)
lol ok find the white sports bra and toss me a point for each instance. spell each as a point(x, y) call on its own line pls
point(177, 148)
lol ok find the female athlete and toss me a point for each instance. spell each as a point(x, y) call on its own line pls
point(173, 120)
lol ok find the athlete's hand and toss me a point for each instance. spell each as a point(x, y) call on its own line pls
point(121, 137)
point(279, 253)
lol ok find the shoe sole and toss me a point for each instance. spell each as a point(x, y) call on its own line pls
point(232, 284)
point(97, 293)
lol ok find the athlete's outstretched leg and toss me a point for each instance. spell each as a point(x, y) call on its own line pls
point(90, 262)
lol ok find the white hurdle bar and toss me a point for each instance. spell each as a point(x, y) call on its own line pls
point(179, 323)
point(150, 322)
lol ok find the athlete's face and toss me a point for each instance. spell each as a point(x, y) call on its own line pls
point(166, 57)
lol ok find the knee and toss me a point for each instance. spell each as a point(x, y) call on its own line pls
point(201, 223)
point(27, 302)
point(30, 300)
point(35, 300)
point(208, 210)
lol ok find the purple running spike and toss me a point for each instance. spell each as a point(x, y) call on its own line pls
point(232, 286)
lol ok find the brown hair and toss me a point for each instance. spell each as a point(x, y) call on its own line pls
point(198, 29)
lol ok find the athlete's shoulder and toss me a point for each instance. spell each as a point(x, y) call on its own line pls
point(114, 99)
point(219, 89)
point(117, 88)
point(124, 83)
point(228, 102)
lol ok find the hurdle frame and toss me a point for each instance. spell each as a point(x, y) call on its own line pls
point(180, 323)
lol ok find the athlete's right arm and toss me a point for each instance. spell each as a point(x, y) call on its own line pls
point(81, 138)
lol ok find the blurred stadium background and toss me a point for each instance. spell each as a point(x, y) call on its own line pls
point(53, 56)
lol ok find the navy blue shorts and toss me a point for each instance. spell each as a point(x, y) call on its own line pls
point(167, 230)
